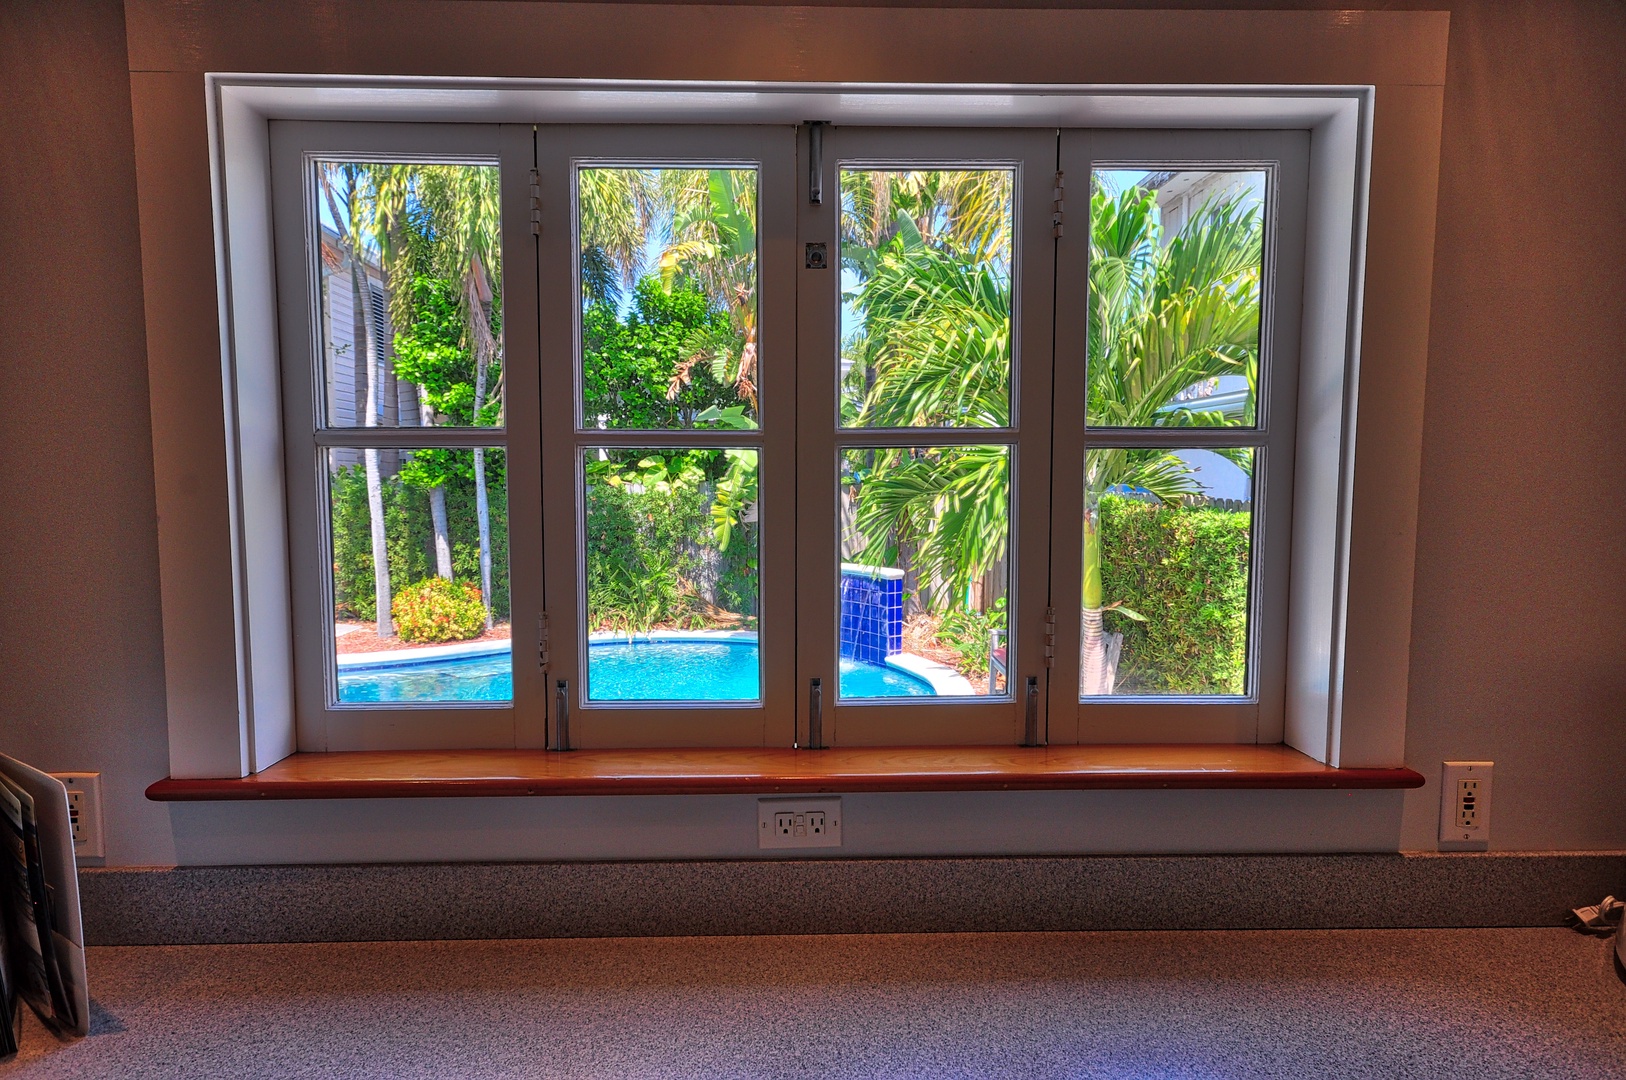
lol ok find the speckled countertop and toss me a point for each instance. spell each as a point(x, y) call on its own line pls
point(1302, 1003)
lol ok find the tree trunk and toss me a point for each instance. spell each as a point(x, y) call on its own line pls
point(362, 338)
point(1094, 677)
point(484, 346)
point(443, 538)
point(437, 502)
point(375, 481)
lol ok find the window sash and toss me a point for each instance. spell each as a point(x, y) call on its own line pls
point(820, 439)
point(1256, 716)
point(560, 150)
point(320, 724)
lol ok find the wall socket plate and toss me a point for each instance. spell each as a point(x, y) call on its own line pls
point(798, 823)
point(1465, 803)
point(85, 813)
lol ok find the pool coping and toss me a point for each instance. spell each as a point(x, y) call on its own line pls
point(612, 637)
point(944, 680)
point(390, 658)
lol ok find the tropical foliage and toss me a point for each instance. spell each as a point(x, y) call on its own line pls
point(432, 231)
point(926, 342)
point(1189, 565)
point(410, 529)
point(654, 556)
point(669, 283)
point(1167, 314)
point(436, 610)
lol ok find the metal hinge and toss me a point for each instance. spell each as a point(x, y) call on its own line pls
point(1049, 637)
point(536, 203)
point(542, 642)
point(1057, 206)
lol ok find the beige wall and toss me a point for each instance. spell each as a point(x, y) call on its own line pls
point(81, 656)
point(1518, 636)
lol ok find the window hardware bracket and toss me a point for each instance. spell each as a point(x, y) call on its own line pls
point(815, 162)
point(1049, 637)
point(536, 203)
point(542, 643)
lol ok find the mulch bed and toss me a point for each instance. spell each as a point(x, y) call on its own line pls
point(366, 639)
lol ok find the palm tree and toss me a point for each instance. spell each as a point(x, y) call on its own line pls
point(391, 190)
point(934, 351)
point(931, 251)
point(347, 222)
point(617, 208)
point(713, 248)
point(463, 205)
point(1162, 318)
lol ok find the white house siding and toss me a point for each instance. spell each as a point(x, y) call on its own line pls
point(1179, 195)
point(346, 379)
point(1185, 193)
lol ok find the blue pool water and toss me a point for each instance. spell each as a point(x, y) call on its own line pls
point(463, 678)
point(617, 671)
point(672, 671)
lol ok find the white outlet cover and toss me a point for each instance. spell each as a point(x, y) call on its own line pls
point(799, 823)
point(85, 797)
point(1453, 834)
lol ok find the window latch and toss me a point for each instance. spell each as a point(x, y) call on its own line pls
point(561, 712)
point(815, 714)
point(1030, 732)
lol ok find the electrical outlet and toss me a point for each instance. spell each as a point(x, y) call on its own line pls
point(85, 812)
point(1465, 802)
point(798, 823)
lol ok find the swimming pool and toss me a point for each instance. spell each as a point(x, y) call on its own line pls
point(695, 669)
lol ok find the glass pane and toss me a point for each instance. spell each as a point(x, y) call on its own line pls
point(411, 294)
point(669, 297)
point(672, 549)
point(420, 575)
point(924, 575)
point(1167, 555)
point(1175, 267)
point(926, 298)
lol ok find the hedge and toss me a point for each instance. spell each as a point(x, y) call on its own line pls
point(1186, 570)
point(409, 535)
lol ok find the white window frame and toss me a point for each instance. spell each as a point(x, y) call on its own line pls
point(1339, 119)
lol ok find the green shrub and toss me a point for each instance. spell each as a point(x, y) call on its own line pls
point(648, 550)
point(435, 609)
point(967, 633)
point(409, 534)
point(1186, 570)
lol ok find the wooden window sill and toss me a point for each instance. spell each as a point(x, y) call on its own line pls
point(431, 774)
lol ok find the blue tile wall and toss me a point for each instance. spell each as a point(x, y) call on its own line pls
point(871, 616)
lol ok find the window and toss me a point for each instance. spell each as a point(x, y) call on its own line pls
point(687, 435)
point(1174, 506)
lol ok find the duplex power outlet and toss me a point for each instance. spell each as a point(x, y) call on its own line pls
point(798, 823)
point(1465, 803)
point(85, 812)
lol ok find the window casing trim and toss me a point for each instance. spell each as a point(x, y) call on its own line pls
point(1339, 119)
